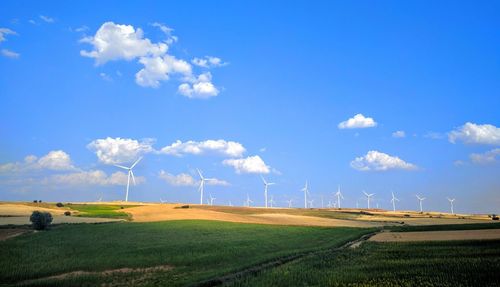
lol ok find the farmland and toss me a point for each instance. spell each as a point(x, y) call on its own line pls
point(459, 263)
point(192, 250)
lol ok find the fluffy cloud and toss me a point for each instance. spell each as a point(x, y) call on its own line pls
point(5, 31)
point(379, 161)
point(201, 88)
point(184, 179)
point(158, 69)
point(487, 157)
point(251, 164)
point(124, 42)
point(357, 122)
point(208, 62)
point(92, 177)
point(47, 19)
point(115, 42)
point(227, 148)
point(118, 150)
point(398, 134)
point(9, 54)
point(54, 160)
point(471, 133)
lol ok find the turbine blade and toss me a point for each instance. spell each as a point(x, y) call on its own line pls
point(199, 172)
point(133, 177)
point(136, 162)
point(121, 166)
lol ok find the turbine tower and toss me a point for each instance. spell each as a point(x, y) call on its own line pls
point(130, 174)
point(248, 201)
point(305, 189)
point(271, 201)
point(420, 199)
point(368, 197)
point(290, 202)
point(393, 200)
point(266, 185)
point(339, 195)
point(311, 203)
point(211, 199)
point(451, 203)
point(202, 184)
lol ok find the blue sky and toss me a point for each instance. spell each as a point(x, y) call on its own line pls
point(248, 89)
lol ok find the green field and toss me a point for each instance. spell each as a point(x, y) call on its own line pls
point(100, 210)
point(443, 227)
point(455, 263)
point(197, 250)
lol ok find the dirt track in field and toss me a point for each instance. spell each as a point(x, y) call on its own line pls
point(163, 212)
point(484, 234)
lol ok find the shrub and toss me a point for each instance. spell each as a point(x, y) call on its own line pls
point(59, 204)
point(67, 213)
point(35, 201)
point(40, 220)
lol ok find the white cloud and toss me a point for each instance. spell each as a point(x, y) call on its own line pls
point(5, 31)
point(54, 160)
point(118, 150)
point(357, 122)
point(158, 69)
point(47, 19)
point(9, 54)
point(120, 42)
point(251, 164)
point(379, 161)
point(201, 88)
point(92, 177)
point(208, 62)
point(434, 135)
point(184, 179)
point(488, 157)
point(124, 42)
point(105, 77)
point(81, 29)
point(226, 148)
point(398, 134)
point(471, 133)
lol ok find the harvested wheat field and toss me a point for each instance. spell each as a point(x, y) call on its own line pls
point(484, 234)
point(161, 212)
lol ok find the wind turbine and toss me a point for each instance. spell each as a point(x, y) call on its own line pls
point(202, 184)
point(393, 200)
point(329, 205)
point(311, 203)
point(230, 204)
point(451, 202)
point(130, 174)
point(100, 198)
point(271, 201)
point(248, 201)
point(305, 189)
point(368, 197)
point(211, 199)
point(162, 201)
point(339, 195)
point(290, 202)
point(420, 199)
point(266, 185)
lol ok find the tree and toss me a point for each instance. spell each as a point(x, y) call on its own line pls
point(40, 220)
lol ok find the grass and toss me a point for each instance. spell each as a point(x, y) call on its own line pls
point(198, 250)
point(454, 263)
point(444, 227)
point(100, 210)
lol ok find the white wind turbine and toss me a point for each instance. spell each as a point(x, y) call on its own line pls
point(420, 199)
point(311, 203)
point(339, 195)
point(130, 174)
point(290, 203)
point(451, 200)
point(329, 205)
point(305, 189)
point(230, 204)
point(271, 201)
point(248, 201)
point(393, 200)
point(266, 185)
point(211, 199)
point(162, 201)
point(100, 198)
point(368, 197)
point(202, 184)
